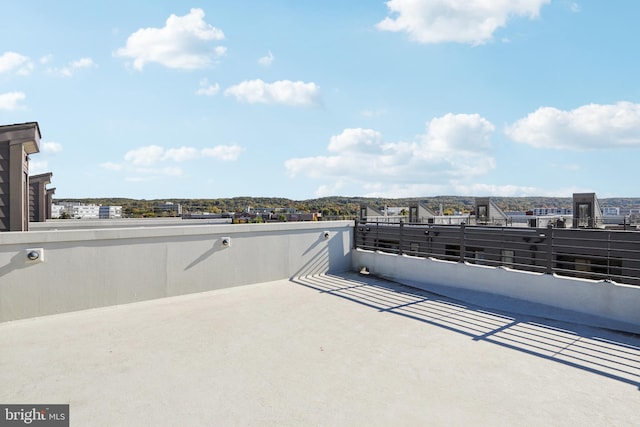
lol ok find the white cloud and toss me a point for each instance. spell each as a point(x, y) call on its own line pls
point(284, 92)
point(223, 152)
point(150, 162)
point(185, 42)
point(454, 147)
point(180, 154)
point(575, 7)
point(327, 190)
point(145, 155)
point(149, 159)
point(517, 191)
point(589, 127)
point(207, 88)
point(266, 60)
point(12, 62)
point(38, 166)
point(460, 21)
point(11, 101)
point(46, 59)
point(73, 67)
point(50, 147)
point(498, 190)
point(356, 140)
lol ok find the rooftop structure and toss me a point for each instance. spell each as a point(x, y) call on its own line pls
point(421, 214)
point(49, 203)
point(181, 322)
point(39, 197)
point(586, 210)
point(17, 142)
point(488, 212)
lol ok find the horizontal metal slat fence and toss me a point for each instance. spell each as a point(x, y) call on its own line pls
point(592, 254)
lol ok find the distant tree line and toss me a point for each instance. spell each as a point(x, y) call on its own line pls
point(337, 206)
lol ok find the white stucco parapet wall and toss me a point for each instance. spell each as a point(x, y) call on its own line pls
point(599, 303)
point(87, 268)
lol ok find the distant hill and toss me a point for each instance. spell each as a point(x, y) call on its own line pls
point(341, 205)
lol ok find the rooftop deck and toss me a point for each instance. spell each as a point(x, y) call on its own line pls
point(320, 350)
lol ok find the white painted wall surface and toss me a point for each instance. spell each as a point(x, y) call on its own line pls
point(108, 266)
point(601, 301)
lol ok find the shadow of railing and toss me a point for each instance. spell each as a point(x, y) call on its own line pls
point(611, 354)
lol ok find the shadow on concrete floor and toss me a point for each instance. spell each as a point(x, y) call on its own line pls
point(611, 354)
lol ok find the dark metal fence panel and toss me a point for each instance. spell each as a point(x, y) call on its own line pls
point(593, 254)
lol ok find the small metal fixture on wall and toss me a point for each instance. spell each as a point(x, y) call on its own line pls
point(35, 254)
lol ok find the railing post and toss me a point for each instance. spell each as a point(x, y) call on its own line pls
point(549, 237)
point(608, 255)
point(462, 248)
point(356, 235)
point(400, 243)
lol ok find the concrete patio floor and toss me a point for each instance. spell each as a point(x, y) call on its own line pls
point(344, 350)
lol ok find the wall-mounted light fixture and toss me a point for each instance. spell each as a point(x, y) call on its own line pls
point(226, 242)
point(326, 234)
point(35, 254)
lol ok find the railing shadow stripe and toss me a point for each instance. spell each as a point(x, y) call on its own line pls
point(555, 356)
point(589, 349)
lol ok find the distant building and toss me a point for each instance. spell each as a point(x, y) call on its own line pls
point(396, 210)
point(260, 211)
point(552, 211)
point(108, 212)
point(56, 211)
point(85, 211)
point(172, 207)
point(388, 214)
point(413, 214)
point(610, 211)
point(79, 210)
point(268, 211)
point(301, 216)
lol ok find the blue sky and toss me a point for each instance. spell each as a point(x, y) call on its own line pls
point(404, 98)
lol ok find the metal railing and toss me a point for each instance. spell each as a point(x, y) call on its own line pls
point(592, 254)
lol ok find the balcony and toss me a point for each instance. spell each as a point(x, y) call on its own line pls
point(271, 324)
